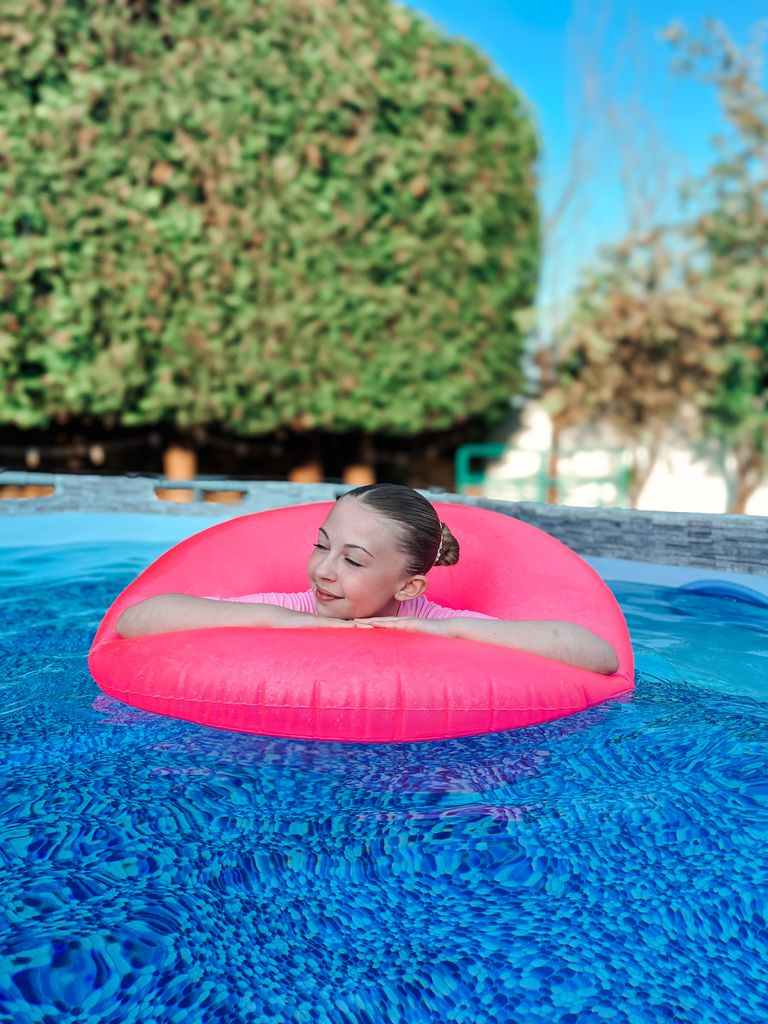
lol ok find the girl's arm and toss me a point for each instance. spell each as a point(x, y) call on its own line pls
point(561, 641)
point(166, 613)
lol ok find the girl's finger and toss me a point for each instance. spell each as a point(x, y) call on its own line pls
point(385, 623)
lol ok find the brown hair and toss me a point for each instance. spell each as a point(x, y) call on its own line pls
point(424, 540)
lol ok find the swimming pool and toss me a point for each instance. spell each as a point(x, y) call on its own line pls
point(608, 867)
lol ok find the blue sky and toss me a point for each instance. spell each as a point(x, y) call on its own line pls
point(662, 122)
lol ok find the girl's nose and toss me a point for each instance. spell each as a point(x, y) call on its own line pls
point(326, 568)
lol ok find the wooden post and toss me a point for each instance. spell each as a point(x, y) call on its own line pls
point(357, 475)
point(310, 472)
point(179, 463)
point(362, 472)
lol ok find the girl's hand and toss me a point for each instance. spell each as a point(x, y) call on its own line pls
point(561, 641)
point(286, 619)
point(409, 623)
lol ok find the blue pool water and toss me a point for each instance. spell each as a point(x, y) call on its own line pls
point(612, 866)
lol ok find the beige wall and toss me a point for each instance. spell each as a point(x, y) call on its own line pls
point(681, 481)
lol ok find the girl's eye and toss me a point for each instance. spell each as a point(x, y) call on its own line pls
point(350, 561)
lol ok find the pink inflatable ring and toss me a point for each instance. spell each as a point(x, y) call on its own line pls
point(372, 686)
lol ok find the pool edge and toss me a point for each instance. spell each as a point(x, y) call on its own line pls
point(721, 542)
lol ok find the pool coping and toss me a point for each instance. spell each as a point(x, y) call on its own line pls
point(723, 542)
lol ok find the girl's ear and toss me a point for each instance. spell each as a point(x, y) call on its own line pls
point(413, 587)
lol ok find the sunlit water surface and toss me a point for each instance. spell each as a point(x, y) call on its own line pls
point(608, 867)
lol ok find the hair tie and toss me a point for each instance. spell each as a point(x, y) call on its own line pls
point(440, 545)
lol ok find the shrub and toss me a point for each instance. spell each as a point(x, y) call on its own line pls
point(301, 213)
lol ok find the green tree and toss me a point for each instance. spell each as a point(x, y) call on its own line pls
point(644, 350)
point(671, 328)
point(730, 224)
point(312, 214)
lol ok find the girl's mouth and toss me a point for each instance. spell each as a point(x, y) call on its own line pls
point(323, 595)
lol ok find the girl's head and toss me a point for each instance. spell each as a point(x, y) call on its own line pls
point(419, 535)
point(374, 551)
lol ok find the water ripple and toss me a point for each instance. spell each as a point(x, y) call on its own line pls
point(608, 867)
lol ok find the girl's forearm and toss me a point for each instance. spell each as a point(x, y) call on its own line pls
point(167, 613)
point(562, 641)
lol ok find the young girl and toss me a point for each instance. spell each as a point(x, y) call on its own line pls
point(369, 571)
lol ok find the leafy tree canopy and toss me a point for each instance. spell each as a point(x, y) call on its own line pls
point(677, 319)
point(641, 347)
point(303, 213)
point(731, 226)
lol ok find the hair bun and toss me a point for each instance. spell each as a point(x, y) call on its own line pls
point(448, 551)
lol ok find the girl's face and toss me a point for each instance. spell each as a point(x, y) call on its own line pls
point(357, 570)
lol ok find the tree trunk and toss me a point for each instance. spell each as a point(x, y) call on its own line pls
point(641, 473)
point(750, 470)
point(553, 461)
